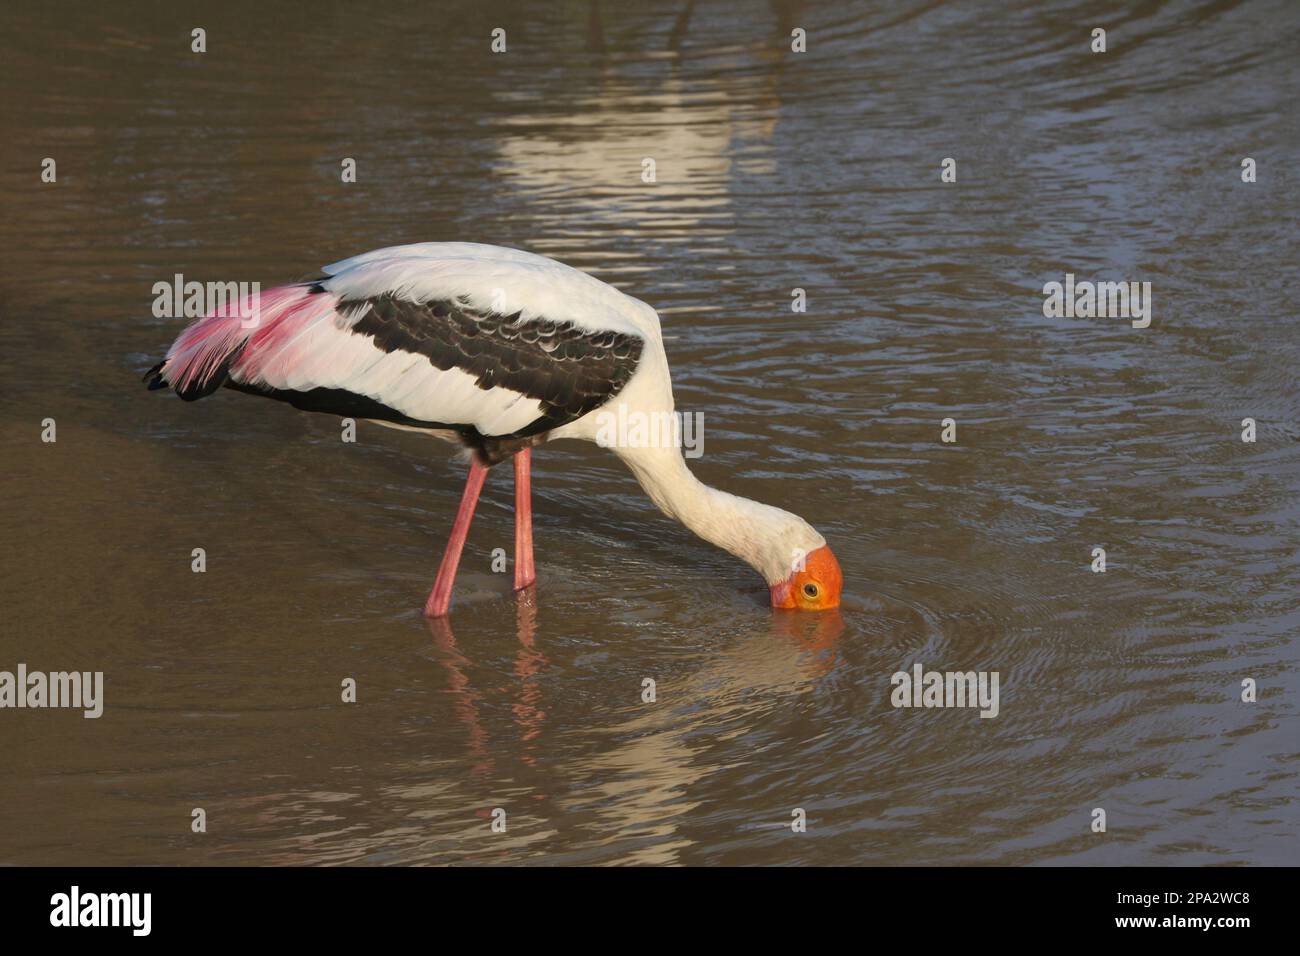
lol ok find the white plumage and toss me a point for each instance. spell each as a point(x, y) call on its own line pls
point(484, 274)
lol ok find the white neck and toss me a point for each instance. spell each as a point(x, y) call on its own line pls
point(767, 539)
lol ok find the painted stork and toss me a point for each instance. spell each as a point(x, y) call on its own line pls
point(498, 350)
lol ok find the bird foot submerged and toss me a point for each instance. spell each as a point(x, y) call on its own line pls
point(440, 597)
point(525, 571)
point(439, 602)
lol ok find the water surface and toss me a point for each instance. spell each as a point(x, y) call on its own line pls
point(774, 171)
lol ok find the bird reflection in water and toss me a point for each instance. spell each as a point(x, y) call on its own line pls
point(530, 662)
point(793, 652)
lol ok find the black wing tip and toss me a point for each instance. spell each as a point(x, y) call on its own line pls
point(194, 390)
point(156, 381)
point(154, 378)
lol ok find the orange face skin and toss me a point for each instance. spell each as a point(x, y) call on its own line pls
point(816, 588)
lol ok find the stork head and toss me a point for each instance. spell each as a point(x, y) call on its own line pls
point(814, 583)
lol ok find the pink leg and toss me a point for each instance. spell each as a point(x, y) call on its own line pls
point(440, 596)
point(525, 573)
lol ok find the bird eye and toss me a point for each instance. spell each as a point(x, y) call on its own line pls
point(810, 589)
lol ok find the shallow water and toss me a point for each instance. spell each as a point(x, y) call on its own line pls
point(774, 171)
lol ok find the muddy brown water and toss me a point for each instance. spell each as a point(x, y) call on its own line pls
point(821, 171)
